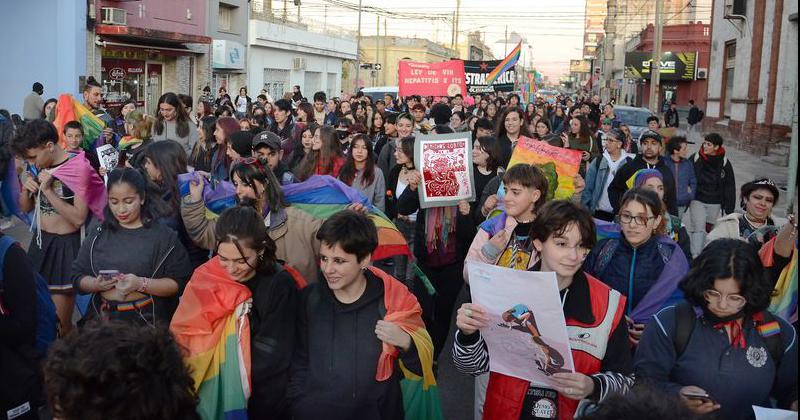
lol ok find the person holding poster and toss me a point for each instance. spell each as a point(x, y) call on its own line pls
point(562, 234)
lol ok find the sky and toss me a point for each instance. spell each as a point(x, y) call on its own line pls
point(552, 30)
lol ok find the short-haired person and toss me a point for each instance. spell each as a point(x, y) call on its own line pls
point(83, 372)
point(562, 233)
point(722, 351)
point(683, 171)
point(642, 263)
point(653, 124)
point(601, 173)
point(73, 141)
point(240, 146)
point(246, 267)
point(33, 104)
point(283, 125)
point(483, 128)
point(755, 224)
point(651, 147)
point(291, 229)
point(350, 323)
point(60, 212)
point(267, 146)
point(716, 189)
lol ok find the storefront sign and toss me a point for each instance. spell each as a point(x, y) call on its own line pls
point(580, 66)
point(432, 79)
point(476, 72)
point(122, 80)
point(227, 55)
point(673, 66)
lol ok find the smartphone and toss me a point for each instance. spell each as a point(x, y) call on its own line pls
point(700, 396)
point(108, 274)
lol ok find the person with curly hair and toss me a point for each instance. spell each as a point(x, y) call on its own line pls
point(703, 349)
point(118, 371)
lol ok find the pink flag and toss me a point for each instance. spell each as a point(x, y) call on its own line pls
point(77, 173)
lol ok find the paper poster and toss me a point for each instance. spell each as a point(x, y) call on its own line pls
point(763, 413)
point(445, 163)
point(108, 156)
point(527, 334)
point(431, 79)
point(559, 165)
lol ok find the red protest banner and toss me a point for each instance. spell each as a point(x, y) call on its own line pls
point(432, 79)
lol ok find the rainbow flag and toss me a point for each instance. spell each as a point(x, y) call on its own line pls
point(507, 63)
point(77, 174)
point(559, 165)
point(211, 324)
point(322, 195)
point(69, 109)
point(420, 393)
point(784, 299)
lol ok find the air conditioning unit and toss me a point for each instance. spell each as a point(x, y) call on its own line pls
point(114, 16)
point(298, 63)
point(702, 74)
point(735, 9)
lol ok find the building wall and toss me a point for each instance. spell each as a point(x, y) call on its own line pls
point(275, 46)
point(786, 93)
point(391, 50)
point(183, 16)
point(52, 53)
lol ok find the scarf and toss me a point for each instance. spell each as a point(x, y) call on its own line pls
point(440, 223)
point(733, 322)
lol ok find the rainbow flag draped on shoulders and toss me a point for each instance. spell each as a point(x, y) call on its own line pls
point(420, 393)
point(70, 109)
point(507, 63)
point(322, 195)
point(211, 324)
point(784, 299)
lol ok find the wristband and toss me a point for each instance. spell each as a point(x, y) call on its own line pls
point(145, 283)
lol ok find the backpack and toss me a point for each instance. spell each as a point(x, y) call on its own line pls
point(46, 318)
point(685, 319)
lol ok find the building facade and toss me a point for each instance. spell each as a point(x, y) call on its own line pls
point(388, 51)
point(227, 24)
point(139, 50)
point(752, 86)
point(684, 66)
point(52, 53)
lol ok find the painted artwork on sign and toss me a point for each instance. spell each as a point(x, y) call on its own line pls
point(445, 164)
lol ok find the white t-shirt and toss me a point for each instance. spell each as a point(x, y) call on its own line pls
point(241, 104)
point(604, 203)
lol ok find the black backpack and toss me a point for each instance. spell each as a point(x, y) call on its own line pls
point(685, 319)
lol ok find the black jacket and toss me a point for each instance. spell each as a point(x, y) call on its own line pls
point(695, 115)
point(671, 118)
point(618, 185)
point(273, 333)
point(716, 183)
point(20, 381)
point(333, 373)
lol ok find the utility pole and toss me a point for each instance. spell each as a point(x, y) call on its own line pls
point(358, 46)
point(385, 57)
point(458, 19)
point(377, 50)
point(655, 65)
point(505, 43)
point(285, 10)
point(325, 19)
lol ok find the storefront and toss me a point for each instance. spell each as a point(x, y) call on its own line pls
point(228, 64)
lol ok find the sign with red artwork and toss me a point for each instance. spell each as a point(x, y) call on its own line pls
point(445, 164)
point(432, 79)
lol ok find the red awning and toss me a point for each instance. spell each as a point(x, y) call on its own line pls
point(150, 35)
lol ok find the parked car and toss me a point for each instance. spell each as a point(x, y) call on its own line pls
point(635, 118)
point(379, 91)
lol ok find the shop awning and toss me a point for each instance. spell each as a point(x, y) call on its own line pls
point(150, 35)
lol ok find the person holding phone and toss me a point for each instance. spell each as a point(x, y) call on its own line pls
point(722, 351)
point(134, 266)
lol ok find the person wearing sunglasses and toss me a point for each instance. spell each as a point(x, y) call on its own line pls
point(722, 351)
point(642, 263)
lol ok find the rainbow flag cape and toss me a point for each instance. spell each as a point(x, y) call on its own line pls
point(420, 393)
point(69, 109)
point(77, 174)
point(217, 195)
point(128, 141)
point(507, 63)
point(784, 301)
point(211, 324)
point(322, 195)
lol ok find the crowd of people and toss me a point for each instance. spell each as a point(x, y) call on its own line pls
point(685, 320)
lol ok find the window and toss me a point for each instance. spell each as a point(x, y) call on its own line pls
point(331, 88)
point(312, 83)
point(276, 82)
point(225, 18)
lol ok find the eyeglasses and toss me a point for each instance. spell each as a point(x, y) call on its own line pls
point(734, 300)
point(625, 218)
